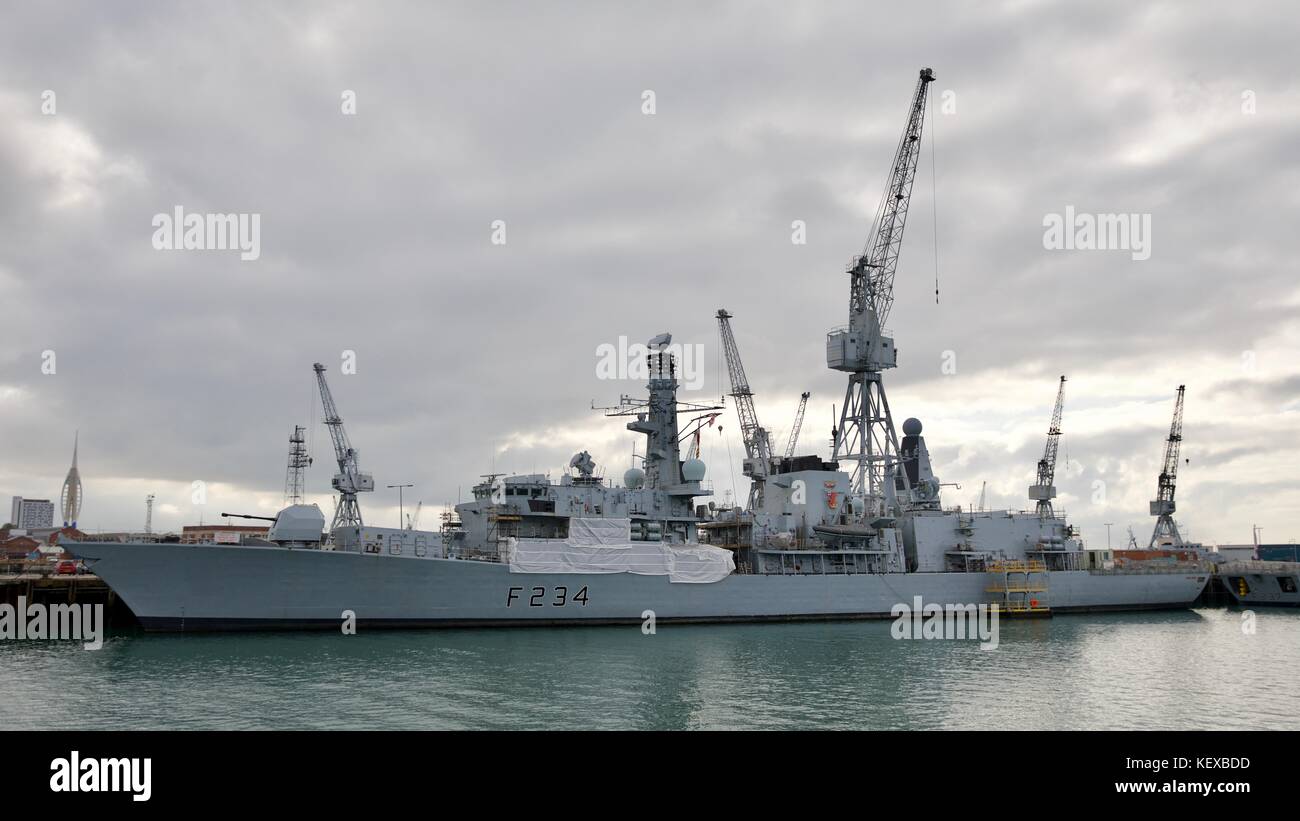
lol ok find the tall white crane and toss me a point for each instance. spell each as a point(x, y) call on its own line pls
point(1162, 507)
point(413, 519)
point(866, 434)
point(349, 481)
point(793, 441)
point(758, 443)
point(1043, 491)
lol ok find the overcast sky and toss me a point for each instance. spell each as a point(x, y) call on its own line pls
point(377, 228)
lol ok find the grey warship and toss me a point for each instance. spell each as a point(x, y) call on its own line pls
point(586, 551)
point(814, 542)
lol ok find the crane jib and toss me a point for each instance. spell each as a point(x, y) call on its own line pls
point(873, 271)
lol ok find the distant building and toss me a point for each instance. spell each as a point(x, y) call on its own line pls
point(221, 534)
point(1279, 552)
point(48, 537)
point(70, 500)
point(18, 547)
point(31, 513)
point(51, 535)
point(1236, 552)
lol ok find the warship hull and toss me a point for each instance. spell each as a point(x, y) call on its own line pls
point(173, 587)
point(1268, 583)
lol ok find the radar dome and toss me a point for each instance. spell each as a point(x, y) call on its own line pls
point(634, 478)
point(912, 427)
point(692, 470)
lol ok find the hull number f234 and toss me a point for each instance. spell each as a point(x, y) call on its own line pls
point(545, 597)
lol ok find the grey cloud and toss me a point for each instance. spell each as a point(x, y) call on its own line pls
point(375, 227)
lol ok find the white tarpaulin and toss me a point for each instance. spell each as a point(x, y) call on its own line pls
point(700, 563)
point(697, 564)
point(599, 531)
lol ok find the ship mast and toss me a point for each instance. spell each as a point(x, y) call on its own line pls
point(299, 461)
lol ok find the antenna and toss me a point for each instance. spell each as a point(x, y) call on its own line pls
point(835, 433)
point(401, 516)
point(299, 461)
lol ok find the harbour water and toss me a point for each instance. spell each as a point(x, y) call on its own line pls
point(1178, 670)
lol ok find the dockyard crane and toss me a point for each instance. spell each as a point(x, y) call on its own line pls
point(1162, 507)
point(866, 434)
point(1043, 491)
point(299, 461)
point(413, 519)
point(793, 441)
point(349, 481)
point(758, 443)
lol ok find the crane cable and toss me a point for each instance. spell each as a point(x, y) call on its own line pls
point(934, 203)
point(311, 436)
point(732, 464)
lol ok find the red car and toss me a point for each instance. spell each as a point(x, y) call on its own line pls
point(67, 567)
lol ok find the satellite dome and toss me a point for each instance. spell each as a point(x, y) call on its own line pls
point(634, 478)
point(692, 470)
point(912, 427)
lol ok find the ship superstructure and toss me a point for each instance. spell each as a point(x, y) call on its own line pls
point(657, 498)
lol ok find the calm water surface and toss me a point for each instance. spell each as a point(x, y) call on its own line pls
point(1177, 670)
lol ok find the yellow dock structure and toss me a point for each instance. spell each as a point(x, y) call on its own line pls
point(1021, 587)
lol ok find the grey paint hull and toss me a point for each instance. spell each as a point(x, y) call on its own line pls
point(1271, 584)
point(217, 587)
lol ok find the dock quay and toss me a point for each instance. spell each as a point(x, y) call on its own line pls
point(49, 588)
